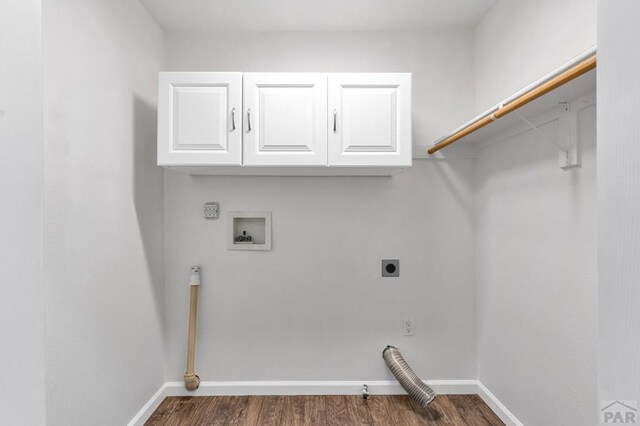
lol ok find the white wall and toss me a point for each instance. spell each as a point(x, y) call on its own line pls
point(536, 226)
point(104, 211)
point(619, 199)
point(315, 308)
point(537, 287)
point(22, 398)
point(519, 41)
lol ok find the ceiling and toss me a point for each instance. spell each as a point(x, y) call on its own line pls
point(212, 16)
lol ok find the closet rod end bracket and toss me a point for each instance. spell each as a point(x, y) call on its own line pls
point(570, 158)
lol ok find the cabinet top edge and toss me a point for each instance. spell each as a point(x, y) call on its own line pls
point(282, 72)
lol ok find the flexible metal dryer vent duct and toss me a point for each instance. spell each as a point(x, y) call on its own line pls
point(415, 387)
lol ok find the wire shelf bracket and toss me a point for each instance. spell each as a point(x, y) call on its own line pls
point(567, 141)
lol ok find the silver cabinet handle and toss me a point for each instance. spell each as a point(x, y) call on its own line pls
point(249, 120)
point(335, 118)
point(233, 119)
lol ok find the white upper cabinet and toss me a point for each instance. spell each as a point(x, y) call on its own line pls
point(200, 119)
point(285, 119)
point(299, 124)
point(370, 120)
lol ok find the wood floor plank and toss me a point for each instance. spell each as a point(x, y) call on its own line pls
point(238, 411)
point(185, 408)
point(203, 410)
point(434, 414)
point(359, 411)
point(293, 411)
point(227, 410)
point(486, 411)
point(337, 412)
point(396, 411)
point(390, 410)
point(315, 412)
point(253, 410)
point(468, 409)
point(401, 411)
point(380, 410)
point(163, 413)
point(215, 410)
point(448, 411)
point(271, 410)
point(230, 410)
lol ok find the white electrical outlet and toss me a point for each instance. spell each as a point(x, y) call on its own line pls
point(407, 326)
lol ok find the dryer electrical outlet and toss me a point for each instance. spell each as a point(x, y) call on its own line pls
point(390, 267)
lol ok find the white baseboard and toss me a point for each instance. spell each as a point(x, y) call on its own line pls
point(494, 403)
point(147, 409)
point(376, 387)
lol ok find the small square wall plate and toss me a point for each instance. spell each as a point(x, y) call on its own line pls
point(390, 267)
point(249, 231)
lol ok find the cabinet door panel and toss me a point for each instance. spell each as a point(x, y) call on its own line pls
point(199, 119)
point(286, 114)
point(371, 119)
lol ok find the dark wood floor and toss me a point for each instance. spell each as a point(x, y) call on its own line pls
point(321, 410)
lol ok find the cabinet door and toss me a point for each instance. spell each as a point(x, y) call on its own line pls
point(369, 119)
point(200, 119)
point(285, 119)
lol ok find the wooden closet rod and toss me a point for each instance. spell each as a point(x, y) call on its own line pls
point(530, 94)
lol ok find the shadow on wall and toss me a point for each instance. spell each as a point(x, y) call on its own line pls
point(455, 184)
point(148, 192)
